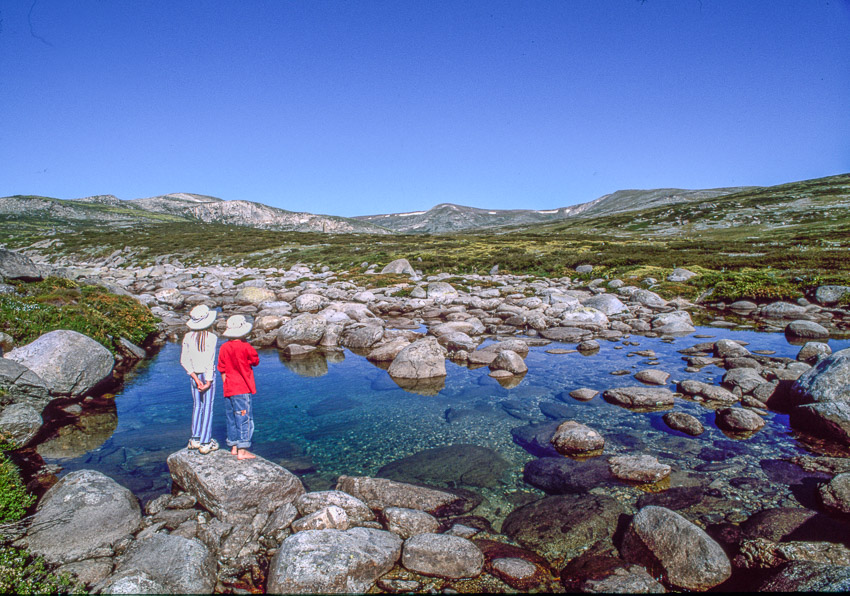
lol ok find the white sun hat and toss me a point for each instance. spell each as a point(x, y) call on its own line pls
point(201, 317)
point(237, 326)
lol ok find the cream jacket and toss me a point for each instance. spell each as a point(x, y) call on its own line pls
point(196, 361)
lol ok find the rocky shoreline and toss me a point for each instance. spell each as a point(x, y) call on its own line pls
point(400, 537)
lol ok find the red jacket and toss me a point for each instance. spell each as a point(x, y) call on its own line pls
point(235, 361)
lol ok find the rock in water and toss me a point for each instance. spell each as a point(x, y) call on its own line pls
point(70, 363)
point(828, 380)
point(332, 561)
point(81, 517)
point(442, 555)
point(234, 491)
point(662, 540)
point(649, 398)
point(572, 438)
point(638, 468)
point(423, 359)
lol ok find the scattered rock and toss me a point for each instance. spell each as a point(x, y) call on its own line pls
point(409, 522)
point(806, 330)
point(380, 493)
point(835, 494)
point(684, 422)
point(738, 420)
point(648, 398)
point(652, 376)
point(423, 359)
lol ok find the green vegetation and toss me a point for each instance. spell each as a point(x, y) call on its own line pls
point(57, 303)
point(14, 499)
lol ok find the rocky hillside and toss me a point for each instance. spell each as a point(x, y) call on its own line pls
point(447, 218)
point(108, 209)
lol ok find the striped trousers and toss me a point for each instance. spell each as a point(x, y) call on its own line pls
point(202, 410)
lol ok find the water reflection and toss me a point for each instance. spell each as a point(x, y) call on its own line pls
point(94, 426)
point(313, 364)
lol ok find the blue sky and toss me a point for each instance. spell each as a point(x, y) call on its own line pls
point(363, 107)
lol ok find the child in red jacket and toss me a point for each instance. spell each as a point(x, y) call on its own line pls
point(236, 360)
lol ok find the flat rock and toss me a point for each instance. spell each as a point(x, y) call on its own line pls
point(685, 555)
point(826, 381)
point(326, 518)
point(68, 362)
point(332, 561)
point(380, 493)
point(638, 468)
point(442, 555)
point(450, 465)
point(644, 398)
point(711, 393)
point(234, 491)
point(566, 334)
point(652, 376)
point(561, 475)
point(81, 517)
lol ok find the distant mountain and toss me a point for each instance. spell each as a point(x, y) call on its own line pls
point(109, 210)
point(447, 217)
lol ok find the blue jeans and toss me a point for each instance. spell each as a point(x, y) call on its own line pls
point(240, 420)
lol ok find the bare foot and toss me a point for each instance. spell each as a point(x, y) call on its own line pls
point(245, 454)
point(233, 450)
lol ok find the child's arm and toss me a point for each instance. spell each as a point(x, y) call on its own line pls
point(253, 357)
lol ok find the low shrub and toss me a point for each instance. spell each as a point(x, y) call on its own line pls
point(57, 303)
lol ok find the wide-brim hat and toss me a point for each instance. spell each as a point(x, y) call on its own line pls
point(237, 326)
point(201, 317)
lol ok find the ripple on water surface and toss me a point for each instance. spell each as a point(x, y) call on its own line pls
point(324, 417)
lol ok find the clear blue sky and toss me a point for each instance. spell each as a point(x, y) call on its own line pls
point(362, 107)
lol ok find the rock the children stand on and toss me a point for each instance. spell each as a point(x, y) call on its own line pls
point(236, 360)
point(198, 358)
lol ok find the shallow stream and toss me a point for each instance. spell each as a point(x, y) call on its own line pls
point(342, 415)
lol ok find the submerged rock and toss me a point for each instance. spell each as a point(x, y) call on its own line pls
point(638, 468)
point(572, 438)
point(380, 493)
point(649, 398)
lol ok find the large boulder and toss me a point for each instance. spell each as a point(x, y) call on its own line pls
point(68, 362)
point(306, 329)
point(20, 385)
point(356, 509)
point(400, 267)
point(442, 555)
point(828, 420)
point(179, 565)
point(806, 330)
point(826, 381)
point(831, 294)
point(806, 576)
point(14, 265)
point(332, 561)
point(359, 336)
point(423, 359)
point(81, 517)
point(685, 556)
point(234, 491)
point(574, 438)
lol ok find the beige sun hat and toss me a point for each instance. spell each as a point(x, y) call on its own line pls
point(201, 317)
point(237, 326)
